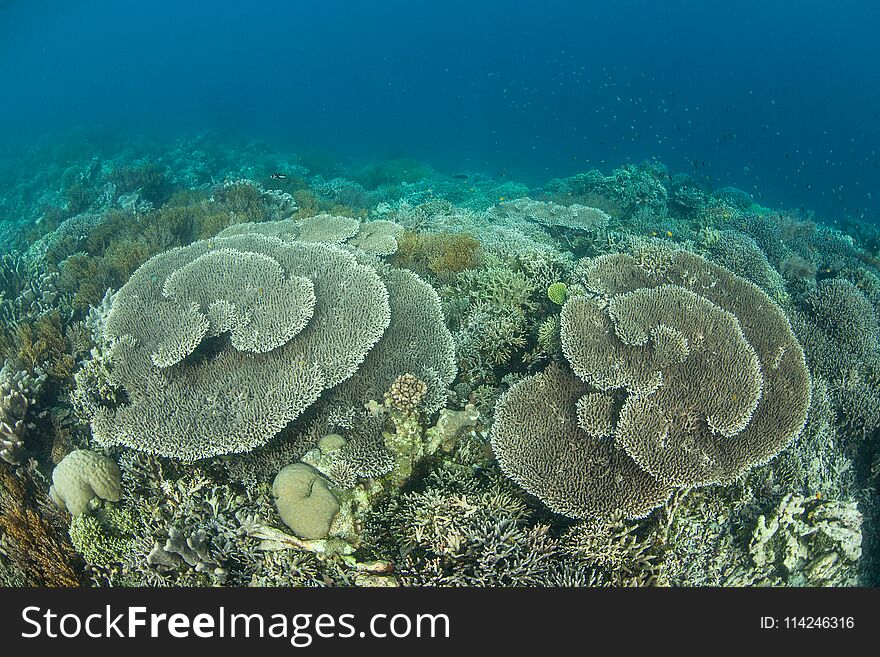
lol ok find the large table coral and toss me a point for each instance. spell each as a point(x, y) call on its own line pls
point(682, 374)
point(220, 344)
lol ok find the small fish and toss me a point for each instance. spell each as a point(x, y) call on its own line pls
point(460, 176)
point(278, 176)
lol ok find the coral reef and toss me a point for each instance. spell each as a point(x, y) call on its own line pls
point(386, 375)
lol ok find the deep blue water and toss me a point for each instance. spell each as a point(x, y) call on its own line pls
point(780, 98)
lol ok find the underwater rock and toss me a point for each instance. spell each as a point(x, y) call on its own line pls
point(451, 424)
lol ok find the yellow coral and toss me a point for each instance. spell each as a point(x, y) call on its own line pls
point(443, 254)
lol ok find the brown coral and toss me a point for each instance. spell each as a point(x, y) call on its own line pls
point(444, 254)
point(406, 393)
point(42, 554)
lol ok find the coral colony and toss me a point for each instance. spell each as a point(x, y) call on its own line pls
point(242, 367)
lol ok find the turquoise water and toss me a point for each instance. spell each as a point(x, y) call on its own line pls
point(415, 295)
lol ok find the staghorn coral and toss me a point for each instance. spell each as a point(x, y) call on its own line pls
point(548, 335)
point(463, 531)
point(708, 377)
point(490, 337)
point(612, 551)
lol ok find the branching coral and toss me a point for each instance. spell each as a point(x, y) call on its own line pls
point(19, 391)
point(806, 542)
point(461, 531)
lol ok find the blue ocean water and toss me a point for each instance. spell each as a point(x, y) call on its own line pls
point(779, 98)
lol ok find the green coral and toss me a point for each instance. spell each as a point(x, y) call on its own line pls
point(557, 293)
point(104, 538)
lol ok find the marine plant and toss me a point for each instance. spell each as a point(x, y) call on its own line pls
point(148, 179)
point(443, 254)
point(391, 172)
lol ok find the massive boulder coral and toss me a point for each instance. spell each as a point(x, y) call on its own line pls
point(683, 374)
point(220, 344)
point(81, 476)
